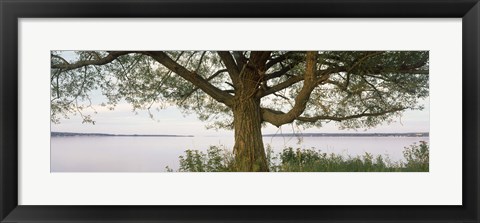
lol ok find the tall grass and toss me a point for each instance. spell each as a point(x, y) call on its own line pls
point(309, 160)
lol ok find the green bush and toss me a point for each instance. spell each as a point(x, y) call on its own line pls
point(215, 160)
point(417, 157)
point(308, 160)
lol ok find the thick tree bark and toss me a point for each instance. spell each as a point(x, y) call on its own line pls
point(247, 117)
point(249, 150)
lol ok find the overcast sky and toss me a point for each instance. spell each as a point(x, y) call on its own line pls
point(171, 121)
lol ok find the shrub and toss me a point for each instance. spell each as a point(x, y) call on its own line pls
point(417, 157)
point(309, 160)
point(215, 160)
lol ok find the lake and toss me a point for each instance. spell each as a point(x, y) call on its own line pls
point(153, 154)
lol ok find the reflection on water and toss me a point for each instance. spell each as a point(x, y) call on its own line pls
point(153, 154)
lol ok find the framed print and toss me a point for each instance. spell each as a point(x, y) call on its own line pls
point(230, 111)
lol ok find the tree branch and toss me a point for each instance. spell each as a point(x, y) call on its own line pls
point(278, 59)
point(342, 118)
point(281, 71)
point(230, 64)
point(200, 61)
point(240, 59)
point(270, 115)
point(289, 82)
point(60, 58)
point(310, 82)
point(360, 60)
point(191, 77)
point(208, 79)
point(109, 58)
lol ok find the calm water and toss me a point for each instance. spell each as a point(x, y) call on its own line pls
point(153, 154)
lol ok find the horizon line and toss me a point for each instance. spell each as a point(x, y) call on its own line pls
point(268, 134)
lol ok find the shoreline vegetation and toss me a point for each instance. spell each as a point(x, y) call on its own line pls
point(218, 159)
point(408, 134)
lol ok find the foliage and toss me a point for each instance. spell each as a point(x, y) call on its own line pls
point(417, 157)
point(355, 88)
point(215, 160)
point(310, 160)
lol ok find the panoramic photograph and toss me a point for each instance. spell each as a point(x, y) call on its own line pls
point(239, 111)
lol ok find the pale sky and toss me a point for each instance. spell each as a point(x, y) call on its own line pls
point(171, 121)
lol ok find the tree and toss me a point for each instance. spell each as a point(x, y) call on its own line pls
point(243, 90)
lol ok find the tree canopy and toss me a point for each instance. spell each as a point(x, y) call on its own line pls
point(360, 89)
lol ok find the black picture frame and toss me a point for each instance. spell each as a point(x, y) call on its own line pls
point(12, 10)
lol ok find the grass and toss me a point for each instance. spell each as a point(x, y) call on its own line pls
point(309, 160)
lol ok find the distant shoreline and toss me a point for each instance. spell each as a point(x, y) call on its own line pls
point(70, 134)
point(409, 134)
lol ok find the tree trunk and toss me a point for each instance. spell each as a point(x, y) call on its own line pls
point(247, 119)
point(249, 151)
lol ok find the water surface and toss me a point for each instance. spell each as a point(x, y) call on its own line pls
point(153, 154)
